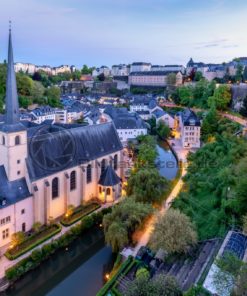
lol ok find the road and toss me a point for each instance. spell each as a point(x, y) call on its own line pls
point(232, 117)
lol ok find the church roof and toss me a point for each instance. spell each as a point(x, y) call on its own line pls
point(11, 191)
point(54, 148)
point(109, 177)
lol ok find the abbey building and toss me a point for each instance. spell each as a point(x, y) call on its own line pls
point(45, 168)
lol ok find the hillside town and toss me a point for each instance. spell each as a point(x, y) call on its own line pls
point(122, 180)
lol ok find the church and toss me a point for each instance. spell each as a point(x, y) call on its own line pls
point(47, 167)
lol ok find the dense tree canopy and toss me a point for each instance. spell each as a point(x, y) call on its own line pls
point(124, 219)
point(146, 185)
point(173, 232)
point(221, 97)
point(160, 285)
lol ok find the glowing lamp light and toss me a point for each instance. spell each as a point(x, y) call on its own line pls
point(100, 225)
point(107, 276)
point(11, 247)
point(66, 215)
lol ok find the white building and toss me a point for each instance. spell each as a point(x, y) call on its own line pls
point(45, 169)
point(140, 67)
point(190, 129)
point(102, 70)
point(173, 68)
point(120, 70)
point(25, 67)
point(153, 78)
point(44, 113)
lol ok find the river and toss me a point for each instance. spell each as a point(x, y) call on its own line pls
point(79, 270)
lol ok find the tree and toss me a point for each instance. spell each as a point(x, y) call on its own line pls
point(125, 218)
point(36, 226)
point(173, 232)
point(146, 185)
point(210, 123)
point(221, 97)
point(159, 285)
point(245, 74)
point(245, 224)
point(117, 236)
point(163, 130)
point(231, 272)
point(243, 110)
point(24, 84)
point(53, 96)
point(198, 76)
point(38, 90)
point(86, 70)
point(185, 94)
point(17, 238)
point(101, 77)
point(239, 73)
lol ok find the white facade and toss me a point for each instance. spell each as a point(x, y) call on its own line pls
point(158, 79)
point(102, 70)
point(127, 134)
point(25, 67)
point(120, 70)
point(140, 67)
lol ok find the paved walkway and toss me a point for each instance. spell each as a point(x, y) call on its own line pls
point(6, 263)
point(182, 155)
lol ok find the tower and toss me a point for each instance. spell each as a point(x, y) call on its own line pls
point(13, 134)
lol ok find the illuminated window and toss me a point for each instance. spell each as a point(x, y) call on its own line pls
point(55, 188)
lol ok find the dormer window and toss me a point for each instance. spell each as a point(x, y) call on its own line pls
point(17, 140)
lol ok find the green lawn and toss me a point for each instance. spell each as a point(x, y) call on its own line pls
point(79, 213)
point(32, 241)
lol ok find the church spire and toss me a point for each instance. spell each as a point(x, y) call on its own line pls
point(12, 105)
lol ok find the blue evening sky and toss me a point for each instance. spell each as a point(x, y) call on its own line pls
point(106, 32)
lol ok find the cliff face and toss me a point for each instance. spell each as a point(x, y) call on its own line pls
point(239, 92)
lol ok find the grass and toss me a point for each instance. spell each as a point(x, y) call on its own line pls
point(32, 241)
point(79, 213)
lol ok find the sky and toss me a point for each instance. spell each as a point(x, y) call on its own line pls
point(107, 32)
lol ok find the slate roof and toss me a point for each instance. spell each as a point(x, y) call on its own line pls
point(12, 191)
point(152, 73)
point(159, 113)
point(189, 118)
point(53, 148)
point(131, 121)
point(109, 177)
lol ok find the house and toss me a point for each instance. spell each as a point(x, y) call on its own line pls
point(44, 113)
point(143, 106)
point(153, 78)
point(162, 116)
point(45, 168)
point(140, 67)
point(102, 70)
point(128, 125)
point(120, 70)
point(190, 129)
point(175, 68)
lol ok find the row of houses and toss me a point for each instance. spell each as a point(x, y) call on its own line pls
point(31, 68)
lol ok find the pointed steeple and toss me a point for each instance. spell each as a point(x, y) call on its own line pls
point(12, 104)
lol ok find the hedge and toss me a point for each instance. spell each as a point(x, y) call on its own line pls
point(103, 291)
point(79, 213)
point(41, 254)
point(14, 253)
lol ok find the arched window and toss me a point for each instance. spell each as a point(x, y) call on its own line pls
point(115, 162)
point(89, 173)
point(55, 188)
point(73, 180)
point(103, 165)
point(3, 140)
point(108, 191)
point(17, 140)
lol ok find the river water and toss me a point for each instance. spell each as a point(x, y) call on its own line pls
point(79, 270)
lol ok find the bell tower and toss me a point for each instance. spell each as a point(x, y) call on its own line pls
point(13, 134)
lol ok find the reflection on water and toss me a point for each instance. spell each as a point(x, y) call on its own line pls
point(166, 162)
point(79, 270)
